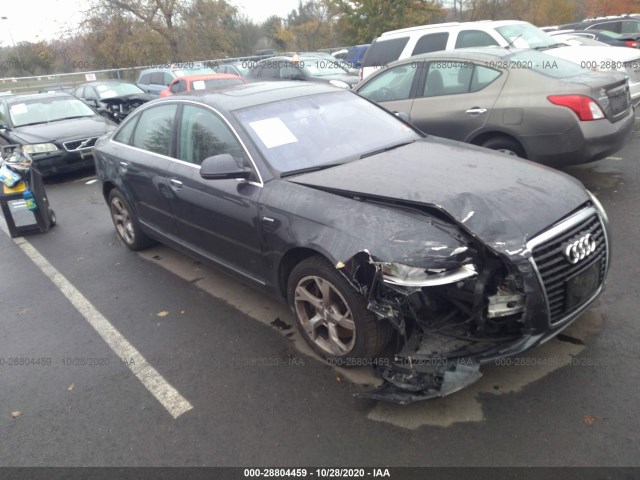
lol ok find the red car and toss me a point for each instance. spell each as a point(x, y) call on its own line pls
point(203, 81)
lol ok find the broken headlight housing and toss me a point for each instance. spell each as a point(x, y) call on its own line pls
point(407, 276)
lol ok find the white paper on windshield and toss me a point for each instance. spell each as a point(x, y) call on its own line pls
point(198, 85)
point(109, 94)
point(19, 108)
point(273, 132)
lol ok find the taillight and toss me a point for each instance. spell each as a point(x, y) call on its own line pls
point(631, 43)
point(585, 107)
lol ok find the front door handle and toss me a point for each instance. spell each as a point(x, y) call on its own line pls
point(176, 184)
point(476, 111)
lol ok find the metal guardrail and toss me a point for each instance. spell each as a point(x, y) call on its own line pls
point(57, 81)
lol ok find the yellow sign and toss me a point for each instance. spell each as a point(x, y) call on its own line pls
point(21, 187)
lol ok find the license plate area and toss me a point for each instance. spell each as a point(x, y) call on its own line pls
point(582, 286)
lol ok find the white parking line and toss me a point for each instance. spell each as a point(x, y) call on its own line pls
point(168, 396)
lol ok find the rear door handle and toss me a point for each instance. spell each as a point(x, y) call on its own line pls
point(176, 184)
point(476, 111)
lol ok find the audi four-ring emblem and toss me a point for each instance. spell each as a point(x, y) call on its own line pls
point(580, 248)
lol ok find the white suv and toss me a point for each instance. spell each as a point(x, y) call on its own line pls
point(407, 42)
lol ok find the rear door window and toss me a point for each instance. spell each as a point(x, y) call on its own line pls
point(154, 130)
point(454, 77)
point(474, 38)
point(383, 52)
point(156, 78)
point(432, 42)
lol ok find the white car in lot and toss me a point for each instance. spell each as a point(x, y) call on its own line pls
point(407, 42)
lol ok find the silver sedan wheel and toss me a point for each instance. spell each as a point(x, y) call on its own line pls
point(122, 220)
point(325, 316)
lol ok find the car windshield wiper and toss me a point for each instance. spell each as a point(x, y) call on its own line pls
point(315, 168)
point(71, 118)
point(386, 149)
point(553, 45)
point(32, 123)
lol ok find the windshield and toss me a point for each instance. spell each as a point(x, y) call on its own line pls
point(242, 68)
point(47, 110)
point(525, 35)
point(110, 90)
point(320, 130)
point(192, 71)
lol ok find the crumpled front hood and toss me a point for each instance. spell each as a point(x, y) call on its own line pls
point(502, 200)
point(135, 97)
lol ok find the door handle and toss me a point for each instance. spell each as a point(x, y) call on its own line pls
point(476, 111)
point(176, 184)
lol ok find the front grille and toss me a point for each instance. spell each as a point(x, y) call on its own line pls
point(555, 270)
point(81, 144)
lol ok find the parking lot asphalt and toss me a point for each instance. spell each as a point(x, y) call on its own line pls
point(248, 390)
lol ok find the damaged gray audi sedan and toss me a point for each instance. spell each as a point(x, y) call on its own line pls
point(376, 235)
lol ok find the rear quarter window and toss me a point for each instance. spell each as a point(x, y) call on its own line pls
point(383, 52)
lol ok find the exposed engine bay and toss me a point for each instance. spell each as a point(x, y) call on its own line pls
point(117, 108)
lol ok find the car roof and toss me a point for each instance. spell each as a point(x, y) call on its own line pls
point(473, 53)
point(251, 94)
point(209, 76)
point(433, 26)
point(102, 82)
point(35, 96)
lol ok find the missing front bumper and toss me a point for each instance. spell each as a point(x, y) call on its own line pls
point(404, 387)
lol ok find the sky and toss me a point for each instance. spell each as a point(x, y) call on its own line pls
point(35, 20)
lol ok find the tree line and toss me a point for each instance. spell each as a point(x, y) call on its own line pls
point(124, 33)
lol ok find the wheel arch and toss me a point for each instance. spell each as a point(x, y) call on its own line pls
point(288, 262)
point(106, 189)
point(483, 137)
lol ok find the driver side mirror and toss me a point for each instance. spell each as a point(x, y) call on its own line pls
point(221, 167)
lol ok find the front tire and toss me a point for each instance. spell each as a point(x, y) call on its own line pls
point(125, 222)
point(332, 316)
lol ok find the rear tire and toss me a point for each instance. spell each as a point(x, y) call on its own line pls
point(332, 316)
point(125, 222)
point(506, 145)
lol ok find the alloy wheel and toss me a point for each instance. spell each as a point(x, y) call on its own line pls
point(325, 315)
